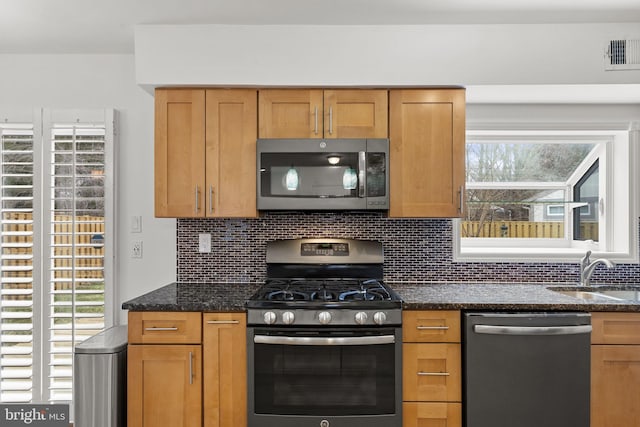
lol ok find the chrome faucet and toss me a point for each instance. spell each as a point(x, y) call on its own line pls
point(587, 266)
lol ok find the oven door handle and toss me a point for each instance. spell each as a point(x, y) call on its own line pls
point(368, 340)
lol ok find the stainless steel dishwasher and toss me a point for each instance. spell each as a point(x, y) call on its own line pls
point(526, 369)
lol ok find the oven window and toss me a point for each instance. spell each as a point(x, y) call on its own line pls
point(309, 175)
point(324, 380)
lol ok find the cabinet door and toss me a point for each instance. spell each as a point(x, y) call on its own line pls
point(164, 386)
point(615, 328)
point(355, 113)
point(430, 414)
point(431, 326)
point(431, 372)
point(427, 136)
point(615, 385)
point(231, 153)
point(165, 327)
point(290, 113)
point(225, 369)
point(179, 152)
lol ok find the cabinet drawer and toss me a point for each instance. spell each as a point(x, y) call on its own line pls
point(431, 326)
point(151, 327)
point(615, 328)
point(430, 414)
point(431, 372)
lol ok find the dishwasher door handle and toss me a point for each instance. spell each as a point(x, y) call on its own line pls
point(532, 330)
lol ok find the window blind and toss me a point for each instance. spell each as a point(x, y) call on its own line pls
point(17, 264)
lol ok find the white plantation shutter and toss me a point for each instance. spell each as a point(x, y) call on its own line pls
point(17, 266)
point(57, 249)
point(75, 229)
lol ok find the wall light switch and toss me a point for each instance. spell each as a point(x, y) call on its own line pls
point(136, 224)
point(204, 243)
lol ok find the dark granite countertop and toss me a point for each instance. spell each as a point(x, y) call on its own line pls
point(500, 296)
point(194, 297)
point(416, 296)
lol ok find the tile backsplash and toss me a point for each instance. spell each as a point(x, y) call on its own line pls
point(414, 249)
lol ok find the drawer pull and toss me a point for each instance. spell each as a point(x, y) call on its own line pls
point(433, 374)
point(223, 322)
point(173, 328)
point(432, 328)
point(190, 367)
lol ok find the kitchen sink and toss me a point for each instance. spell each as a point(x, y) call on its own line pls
point(629, 293)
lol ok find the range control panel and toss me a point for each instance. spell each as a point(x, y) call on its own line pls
point(324, 249)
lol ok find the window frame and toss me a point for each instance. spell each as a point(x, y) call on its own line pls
point(619, 234)
point(42, 121)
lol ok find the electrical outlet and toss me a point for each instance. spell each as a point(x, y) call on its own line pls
point(204, 243)
point(136, 249)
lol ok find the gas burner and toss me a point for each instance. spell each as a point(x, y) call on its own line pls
point(287, 295)
point(323, 295)
point(368, 294)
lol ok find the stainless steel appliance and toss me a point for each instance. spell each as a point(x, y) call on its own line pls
point(329, 174)
point(324, 338)
point(527, 369)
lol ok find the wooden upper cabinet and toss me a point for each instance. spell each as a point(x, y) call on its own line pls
point(427, 146)
point(179, 152)
point(205, 153)
point(231, 135)
point(314, 113)
point(356, 113)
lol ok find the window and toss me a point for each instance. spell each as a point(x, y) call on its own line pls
point(530, 194)
point(57, 241)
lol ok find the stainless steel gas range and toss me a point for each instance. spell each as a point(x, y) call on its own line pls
point(324, 338)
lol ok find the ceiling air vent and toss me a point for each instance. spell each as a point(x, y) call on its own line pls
point(622, 55)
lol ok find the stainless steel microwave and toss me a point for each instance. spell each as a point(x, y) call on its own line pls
point(323, 174)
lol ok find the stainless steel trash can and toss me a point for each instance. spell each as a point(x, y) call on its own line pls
point(100, 380)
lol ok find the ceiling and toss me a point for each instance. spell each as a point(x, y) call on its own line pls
point(106, 26)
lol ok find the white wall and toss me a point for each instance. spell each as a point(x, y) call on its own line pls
point(105, 81)
point(309, 55)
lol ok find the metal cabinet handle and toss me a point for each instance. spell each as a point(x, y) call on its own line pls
point(190, 367)
point(223, 322)
point(211, 199)
point(432, 328)
point(172, 328)
point(197, 200)
point(433, 374)
point(315, 129)
point(461, 201)
point(330, 120)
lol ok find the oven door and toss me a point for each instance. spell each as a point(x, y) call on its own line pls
point(346, 377)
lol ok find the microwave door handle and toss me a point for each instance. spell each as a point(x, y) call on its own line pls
point(362, 170)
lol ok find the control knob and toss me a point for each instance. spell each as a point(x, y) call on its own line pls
point(361, 318)
point(269, 318)
point(324, 317)
point(288, 317)
point(379, 318)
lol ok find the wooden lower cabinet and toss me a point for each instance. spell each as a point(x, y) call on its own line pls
point(431, 372)
point(225, 369)
point(164, 385)
point(431, 414)
point(431, 369)
point(615, 370)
